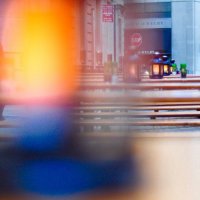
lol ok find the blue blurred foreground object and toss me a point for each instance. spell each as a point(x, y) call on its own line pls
point(67, 177)
point(45, 128)
point(45, 165)
point(56, 177)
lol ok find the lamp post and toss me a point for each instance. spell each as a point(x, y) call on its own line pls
point(132, 69)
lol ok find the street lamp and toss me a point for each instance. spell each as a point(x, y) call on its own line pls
point(156, 67)
point(166, 66)
point(132, 73)
point(132, 69)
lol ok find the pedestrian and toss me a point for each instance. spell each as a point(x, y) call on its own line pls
point(1, 81)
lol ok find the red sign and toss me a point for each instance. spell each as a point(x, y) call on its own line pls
point(108, 13)
point(136, 40)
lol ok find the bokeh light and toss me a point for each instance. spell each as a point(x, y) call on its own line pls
point(47, 39)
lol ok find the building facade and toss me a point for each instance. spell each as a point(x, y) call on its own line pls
point(108, 28)
point(148, 29)
point(102, 32)
point(170, 26)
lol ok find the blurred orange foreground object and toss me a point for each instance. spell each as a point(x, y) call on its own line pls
point(48, 41)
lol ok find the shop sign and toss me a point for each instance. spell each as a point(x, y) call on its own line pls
point(108, 13)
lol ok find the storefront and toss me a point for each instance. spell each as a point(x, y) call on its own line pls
point(148, 29)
